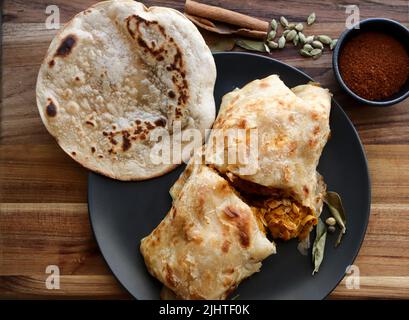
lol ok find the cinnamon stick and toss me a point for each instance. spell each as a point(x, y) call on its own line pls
point(225, 29)
point(201, 10)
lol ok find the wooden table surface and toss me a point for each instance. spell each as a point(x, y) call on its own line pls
point(43, 193)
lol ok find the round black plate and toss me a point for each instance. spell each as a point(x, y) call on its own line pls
point(122, 213)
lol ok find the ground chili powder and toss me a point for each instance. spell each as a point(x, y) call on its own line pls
point(374, 65)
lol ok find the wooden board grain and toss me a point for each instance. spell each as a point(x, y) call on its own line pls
point(43, 193)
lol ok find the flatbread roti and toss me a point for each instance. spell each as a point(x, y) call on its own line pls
point(208, 243)
point(120, 77)
point(292, 128)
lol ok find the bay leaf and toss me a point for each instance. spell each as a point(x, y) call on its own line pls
point(334, 203)
point(222, 44)
point(251, 45)
point(318, 247)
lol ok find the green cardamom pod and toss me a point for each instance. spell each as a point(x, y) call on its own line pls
point(291, 26)
point(307, 47)
point(299, 27)
point(291, 35)
point(267, 48)
point(315, 52)
point(305, 53)
point(317, 44)
point(333, 44)
point(274, 24)
point(296, 40)
point(324, 39)
point(284, 21)
point(311, 19)
point(272, 44)
point(302, 37)
point(281, 42)
point(271, 35)
point(285, 32)
point(309, 39)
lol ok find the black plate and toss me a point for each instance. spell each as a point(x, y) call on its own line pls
point(124, 212)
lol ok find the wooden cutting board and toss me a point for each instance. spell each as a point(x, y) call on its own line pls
point(43, 193)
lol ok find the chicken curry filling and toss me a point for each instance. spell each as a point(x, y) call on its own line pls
point(280, 214)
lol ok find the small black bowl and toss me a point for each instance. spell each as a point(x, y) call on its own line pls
point(388, 26)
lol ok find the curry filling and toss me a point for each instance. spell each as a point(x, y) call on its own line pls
point(280, 214)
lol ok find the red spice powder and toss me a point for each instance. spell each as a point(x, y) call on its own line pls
point(374, 65)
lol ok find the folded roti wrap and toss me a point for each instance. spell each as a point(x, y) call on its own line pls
point(292, 127)
point(208, 242)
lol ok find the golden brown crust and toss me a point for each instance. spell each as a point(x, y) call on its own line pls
point(292, 127)
point(211, 244)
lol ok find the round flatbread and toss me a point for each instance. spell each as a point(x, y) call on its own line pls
point(118, 79)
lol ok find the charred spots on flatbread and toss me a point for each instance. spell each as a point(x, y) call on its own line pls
point(171, 94)
point(133, 25)
point(93, 149)
point(112, 140)
point(138, 130)
point(126, 142)
point(243, 234)
point(51, 63)
point(228, 271)
point(178, 112)
point(314, 116)
point(226, 246)
point(161, 122)
point(149, 125)
point(230, 212)
point(73, 153)
point(133, 22)
point(242, 223)
point(166, 52)
point(66, 46)
point(51, 108)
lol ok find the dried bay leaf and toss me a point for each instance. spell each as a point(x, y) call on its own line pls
point(217, 42)
point(222, 44)
point(318, 247)
point(334, 203)
point(251, 45)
